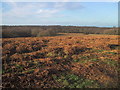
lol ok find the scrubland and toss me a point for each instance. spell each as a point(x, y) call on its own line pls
point(79, 61)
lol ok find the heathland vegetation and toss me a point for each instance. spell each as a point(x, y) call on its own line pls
point(39, 31)
point(66, 57)
point(85, 61)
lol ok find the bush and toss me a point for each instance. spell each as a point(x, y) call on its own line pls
point(46, 33)
point(16, 33)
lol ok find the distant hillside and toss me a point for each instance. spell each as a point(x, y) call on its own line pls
point(36, 31)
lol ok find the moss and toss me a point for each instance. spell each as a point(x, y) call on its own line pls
point(84, 57)
point(110, 62)
point(50, 54)
point(65, 82)
point(98, 50)
point(76, 60)
point(94, 59)
point(74, 81)
point(113, 53)
point(89, 60)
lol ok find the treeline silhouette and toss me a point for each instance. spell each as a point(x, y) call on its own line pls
point(39, 31)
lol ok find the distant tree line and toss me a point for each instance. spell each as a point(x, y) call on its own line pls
point(39, 31)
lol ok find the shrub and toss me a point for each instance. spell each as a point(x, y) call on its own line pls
point(48, 32)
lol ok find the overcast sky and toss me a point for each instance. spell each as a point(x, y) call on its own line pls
point(60, 13)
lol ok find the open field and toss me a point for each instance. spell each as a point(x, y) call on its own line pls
point(82, 34)
point(78, 61)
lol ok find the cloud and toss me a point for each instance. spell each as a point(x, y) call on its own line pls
point(21, 10)
point(33, 12)
point(47, 12)
point(16, 11)
point(68, 5)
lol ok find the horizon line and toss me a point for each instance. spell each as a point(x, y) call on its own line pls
point(53, 25)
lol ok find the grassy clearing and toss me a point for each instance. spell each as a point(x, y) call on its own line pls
point(70, 34)
point(110, 62)
point(74, 81)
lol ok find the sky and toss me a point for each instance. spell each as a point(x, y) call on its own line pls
point(60, 13)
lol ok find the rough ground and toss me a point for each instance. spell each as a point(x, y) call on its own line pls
point(86, 61)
